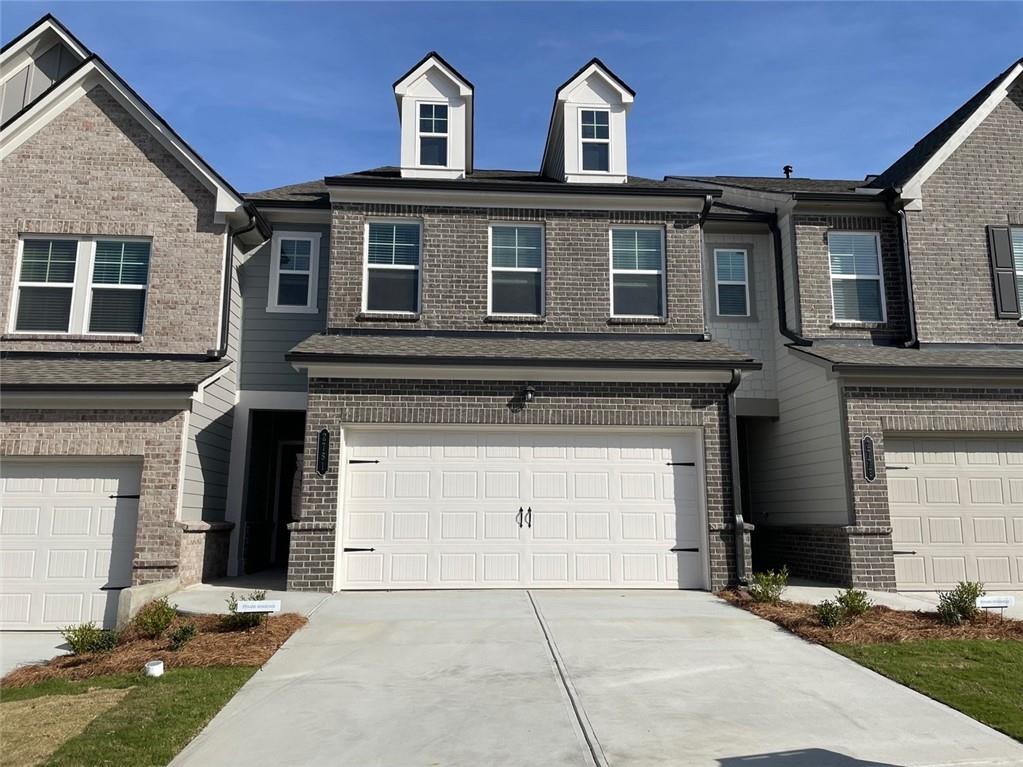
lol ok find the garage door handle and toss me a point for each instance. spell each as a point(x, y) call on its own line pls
point(518, 517)
point(529, 517)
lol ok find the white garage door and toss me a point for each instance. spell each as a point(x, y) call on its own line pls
point(509, 508)
point(957, 511)
point(66, 541)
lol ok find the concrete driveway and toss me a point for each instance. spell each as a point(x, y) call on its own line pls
point(549, 678)
point(20, 648)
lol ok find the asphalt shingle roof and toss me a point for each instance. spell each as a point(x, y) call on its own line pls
point(851, 357)
point(780, 185)
point(523, 349)
point(104, 373)
point(309, 194)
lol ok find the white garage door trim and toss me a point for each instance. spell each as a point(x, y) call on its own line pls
point(694, 566)
point(66, 546)
point(956, 507)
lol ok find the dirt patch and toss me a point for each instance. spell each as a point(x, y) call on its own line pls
point(211, 647)
point(878, 624)
point(35, 728)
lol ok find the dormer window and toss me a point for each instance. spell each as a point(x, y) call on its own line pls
point(433, 134)
point(595, 137)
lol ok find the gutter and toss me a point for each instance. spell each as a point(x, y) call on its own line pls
point(255, 221)
point(779, 279)
point(740, 525)
point(913, 341)
point(406, 359)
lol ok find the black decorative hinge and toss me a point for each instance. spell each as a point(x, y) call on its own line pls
point(346, 549)
point(124, 496)
point(361, 460)
point(112, 588)
point(896, 553)
point(688, 550)
point(681, 463)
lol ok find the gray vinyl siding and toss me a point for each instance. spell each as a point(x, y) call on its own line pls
point(797, 463)
point(268, 336)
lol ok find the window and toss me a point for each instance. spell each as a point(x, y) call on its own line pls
point(595, 135)
point(637, 272)
point(392, 267)
point(433, 134)
point(732, 283)
point(857, 289)
point(516, 270)
point(294, 272)
point(81, 286)
point(1017, 258)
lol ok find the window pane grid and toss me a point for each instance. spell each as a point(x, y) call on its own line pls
point(433, 119)
point(395, 245)
point(48, 261)
point(122, 264)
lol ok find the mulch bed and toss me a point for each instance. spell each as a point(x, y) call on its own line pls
point(878, 624)
point(212, 646)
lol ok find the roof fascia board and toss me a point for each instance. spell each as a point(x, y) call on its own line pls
point(433, 60)
point(83, 399)
point(912, 189)
point(894, 373)
point(595, 66)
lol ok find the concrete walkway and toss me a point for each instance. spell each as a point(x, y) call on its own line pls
point(574, 678)
point(204, 598)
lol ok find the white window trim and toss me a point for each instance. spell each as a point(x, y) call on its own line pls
point(662, 272)
point(81, 308)
point(610, 159)
point(420, 135)
point(879, 277)
point(1018, 264)
point(366, 267)
point(275, 273)
point(491, 268)
point(744, 283)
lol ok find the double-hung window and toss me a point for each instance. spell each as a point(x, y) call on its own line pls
point(433, 134)
point(516, 269)
point(637, 272)
point(81, 286)
point(392, 266)
point(595, 139)
point(731, 280)
point(294, 269)
point(857, 285)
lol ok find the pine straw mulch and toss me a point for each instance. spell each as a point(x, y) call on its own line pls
point(878, 624)
point(212, 646)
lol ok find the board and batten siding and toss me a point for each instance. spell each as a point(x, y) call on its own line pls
point(268, 336)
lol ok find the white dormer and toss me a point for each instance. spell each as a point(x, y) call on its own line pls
point(587, 142)
point(435, 108)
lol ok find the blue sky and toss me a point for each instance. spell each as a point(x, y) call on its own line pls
point(275, 93)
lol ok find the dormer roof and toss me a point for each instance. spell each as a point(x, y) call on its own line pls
point(429, 61)
point(596, 66)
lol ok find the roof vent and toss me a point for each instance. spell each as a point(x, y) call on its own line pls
point(787, 170)
point(870, 177)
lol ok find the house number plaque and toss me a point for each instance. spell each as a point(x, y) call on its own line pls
point(322, 451)
point(869, 465)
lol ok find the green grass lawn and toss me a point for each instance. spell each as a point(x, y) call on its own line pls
point(983, 678)
point(153, 722)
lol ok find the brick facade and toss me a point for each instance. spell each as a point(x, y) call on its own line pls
point(95, 170)
point(981, 183)
point(577, 270)
point(814, 270)
point(204, 551)
point(334, 403)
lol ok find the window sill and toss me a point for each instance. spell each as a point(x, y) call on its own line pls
point(387, 317)
point(853, 325)
point(637, 321)
point(515, 319)
point(90, 338)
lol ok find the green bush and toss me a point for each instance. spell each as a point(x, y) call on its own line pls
point(182, 635)
point(853, 603)
point(154, 618)
point(829, 613)
point(959, 604)
point(767, 587)
point(236, 621)
point(88, 637)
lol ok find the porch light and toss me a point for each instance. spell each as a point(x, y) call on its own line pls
point(528, 394)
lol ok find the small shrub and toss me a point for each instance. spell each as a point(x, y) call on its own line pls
point(182, 635)
point(87, 637)
point(853, 603)
point(829, 613)
point(236, 621)
point(768, 587)
point(154, 618)
point(959, 604)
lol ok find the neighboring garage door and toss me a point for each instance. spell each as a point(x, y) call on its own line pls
point(66, 541)
point(957, 511)
point(510, 508)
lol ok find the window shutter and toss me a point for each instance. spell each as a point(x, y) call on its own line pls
point(1006, 293)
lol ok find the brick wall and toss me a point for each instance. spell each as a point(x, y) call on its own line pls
point(455, 257)
point(152, 435)
point(337, 402)
point(841, 554)
point(981, 183)
point(95, 170)
point(204, 551)
point(814, 267)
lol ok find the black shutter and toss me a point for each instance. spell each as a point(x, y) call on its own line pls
point(1006, 295)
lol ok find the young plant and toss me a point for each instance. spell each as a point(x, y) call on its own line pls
point(236, 621)
point(88, 637)
point(959, 604)
point(182, 635)
point(154, 618)
point(768, 587)
point(853, 603)
point(829, 613)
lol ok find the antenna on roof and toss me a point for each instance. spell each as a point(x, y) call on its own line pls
point(787, 170)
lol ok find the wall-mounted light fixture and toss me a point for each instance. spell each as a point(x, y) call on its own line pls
point(528, 394)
